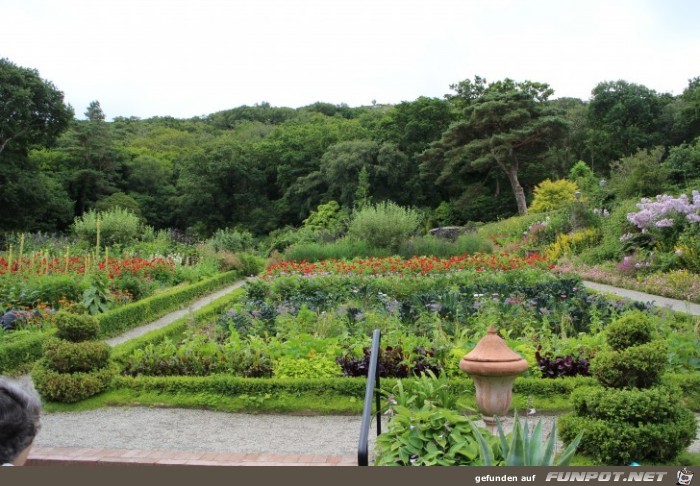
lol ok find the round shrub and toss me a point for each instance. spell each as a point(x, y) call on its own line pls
point(551, 195)
point(116, 226)
point(76, 327)
point(639, 366)
point(634, 406)
point(70, 387)
point(620, 443)
point(629, 330)
point(67, 357)
point(385, 225)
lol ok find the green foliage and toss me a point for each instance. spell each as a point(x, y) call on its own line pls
point(116, 226)
point(250, 264)
point(623, 117)
point(119, 200)
point(33, 111)
point(631, 329)
point(96, 297)
point(519, 448)
point(688, 248)
point(613, 227)
point(429, 436)
point(76, 327)
point(26, 348)
point(615, 442)
point(573, 243)
point(311, 367)
point(683, 161)
point(499, 124)
point(70, 387)
point(632, 405)
point(344, 248)
point(639, 175)
point(631, 418)
point(550, 195)
point(384, 225)
point(638, 366)
point(68, 357)
point(581, 171)
point(232, 240)
point(427, 390)
point(429, 245)
point(327, 219)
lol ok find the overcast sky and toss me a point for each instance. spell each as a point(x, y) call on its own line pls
point(187, 58)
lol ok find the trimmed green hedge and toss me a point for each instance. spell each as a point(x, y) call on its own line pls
point(116, 321)
point(351, 387)
point(25, 349)
point(235, 385)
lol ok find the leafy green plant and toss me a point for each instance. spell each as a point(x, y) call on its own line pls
point(520, 448)
point(312, 367)
point(432, 436)
point(96, 297)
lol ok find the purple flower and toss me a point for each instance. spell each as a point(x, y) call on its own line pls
point(664, 223)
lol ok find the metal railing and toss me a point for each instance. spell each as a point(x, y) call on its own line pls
point(372, 389)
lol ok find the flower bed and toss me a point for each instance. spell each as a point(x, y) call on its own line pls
point(412, 266)
point(296, 323)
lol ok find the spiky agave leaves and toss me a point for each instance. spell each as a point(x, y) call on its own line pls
point(522, 448)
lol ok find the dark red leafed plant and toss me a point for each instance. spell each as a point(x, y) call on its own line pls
point(561, 366)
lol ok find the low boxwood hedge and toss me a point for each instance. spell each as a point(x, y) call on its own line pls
point(25, 347)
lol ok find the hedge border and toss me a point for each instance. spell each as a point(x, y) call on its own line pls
point(25, 351)
point(355, 387)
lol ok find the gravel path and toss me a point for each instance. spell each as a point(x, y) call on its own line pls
point(199, 430)
point(206, 431)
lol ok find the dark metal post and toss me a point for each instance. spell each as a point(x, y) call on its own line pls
point(372, 389)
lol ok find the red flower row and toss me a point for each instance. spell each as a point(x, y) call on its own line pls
point(412, 266)
point(82, 264)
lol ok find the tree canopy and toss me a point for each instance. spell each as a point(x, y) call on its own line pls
point(505, 124)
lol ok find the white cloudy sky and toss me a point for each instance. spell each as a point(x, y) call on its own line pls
point(185, 58)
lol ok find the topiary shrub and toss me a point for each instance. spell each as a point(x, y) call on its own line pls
point(619, 443)
point(70, 387)
point(630, 330)
point(638, 366)
point(632, 418)
point(67, 357)
point(74, 367)
point(76, 327)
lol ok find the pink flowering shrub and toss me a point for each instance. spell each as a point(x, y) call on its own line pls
point(665, 217)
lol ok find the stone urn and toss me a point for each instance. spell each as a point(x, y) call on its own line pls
point(493, 366)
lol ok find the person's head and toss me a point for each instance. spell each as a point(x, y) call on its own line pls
point(20, 408)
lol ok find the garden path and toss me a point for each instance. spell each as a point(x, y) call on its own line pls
point(673, 304)
point(154, 436)
point(173, 316)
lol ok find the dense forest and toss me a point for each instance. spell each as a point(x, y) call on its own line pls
point(474, 155)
